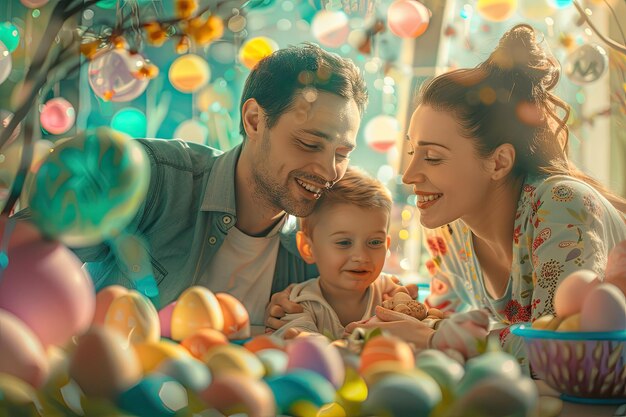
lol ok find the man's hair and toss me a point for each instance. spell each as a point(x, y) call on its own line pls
point(276, 80)
point(355, 188)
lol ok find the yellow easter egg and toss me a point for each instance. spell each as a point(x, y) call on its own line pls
point(134, 317)
point(16, 395)
point(189, 73)
point(496, 10)
point(151, 354)
point(255, 49)
point(104, 298)
point(233, 358)
point(547, 322)
point(570, 324)
point(196, 308)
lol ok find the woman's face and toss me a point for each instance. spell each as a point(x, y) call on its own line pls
point(448, 177)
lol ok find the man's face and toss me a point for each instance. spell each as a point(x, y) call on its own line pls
point(308, 147)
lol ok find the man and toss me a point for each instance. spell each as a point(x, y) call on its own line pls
point(223, 220)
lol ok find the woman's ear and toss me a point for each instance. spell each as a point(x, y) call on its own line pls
point(252, 115)
point(503, 160)
point(305, 247)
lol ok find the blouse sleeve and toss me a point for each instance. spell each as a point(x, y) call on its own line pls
point(304, 321)
point(564, 233)
point(441, 268)
point(568, 235)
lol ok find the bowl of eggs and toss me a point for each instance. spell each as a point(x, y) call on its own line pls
point(581, 350)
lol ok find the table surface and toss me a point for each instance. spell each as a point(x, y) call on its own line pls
point(571, 409)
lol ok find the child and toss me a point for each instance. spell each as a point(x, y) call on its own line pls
point(346, 236)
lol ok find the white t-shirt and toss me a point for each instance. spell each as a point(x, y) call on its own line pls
point(244, 267)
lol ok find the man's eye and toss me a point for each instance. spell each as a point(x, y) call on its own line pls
point(310, 146)
point(433, 161)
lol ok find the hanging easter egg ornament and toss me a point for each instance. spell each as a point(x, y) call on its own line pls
point(189, 73)
point(536, 9)
point(586, 64)
point(130, 121)
point(381, 133)
point(496, 10)
point(255, 49)
point(57, 116)
point(331, 28)
point(90, 187)
point(407, 18)
point(9, 35)
point(6, 63)
point(117, 75)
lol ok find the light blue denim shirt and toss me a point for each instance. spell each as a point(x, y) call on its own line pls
point(187, 213)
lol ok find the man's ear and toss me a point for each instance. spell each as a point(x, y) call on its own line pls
point(502, 161)
point(304, 247)
point(253, 116)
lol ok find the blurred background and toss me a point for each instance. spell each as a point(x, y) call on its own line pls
point(191, 87)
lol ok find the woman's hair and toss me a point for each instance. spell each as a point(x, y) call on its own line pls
point(356, 188)
point(277, 79)
point(508, 99)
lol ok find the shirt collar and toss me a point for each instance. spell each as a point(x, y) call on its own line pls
point(219, 194)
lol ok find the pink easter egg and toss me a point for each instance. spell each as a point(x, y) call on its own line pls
point(22, 354)
point(165, 317)
point(57, 116)
point(45, 287)
point(407, 18)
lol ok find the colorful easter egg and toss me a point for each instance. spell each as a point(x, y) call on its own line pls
point(300, 389)
point(317, 355)
point(89, 187)
point(496, 10)
point(604, 310)
point(45, 287)
point(189, 73)
point(233, 358)
point(155, 396)
point(165, 319)
point(115, 75)
point(22, 353)
point(57, 116)
point(134, 317)
point(104, 298)
point(407, 18)
point(234, 393)
point(202, 341)
point(236, 318)
point(103, 364)
point(384, 348)
point(152, 354)
point(572, 290)
point(403, 395)
point(255, 49)
point(264, 341)
point(331, 28)
point(197, 307)
point(274, 360)
point(190, 372)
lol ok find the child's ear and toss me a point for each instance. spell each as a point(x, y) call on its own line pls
point(388, 242)
point(304, 247)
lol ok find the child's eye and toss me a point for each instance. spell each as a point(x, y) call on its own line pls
point(343, 243)
point(376, 243)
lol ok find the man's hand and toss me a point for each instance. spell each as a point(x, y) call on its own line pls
point(278, 306)
point(410, 289)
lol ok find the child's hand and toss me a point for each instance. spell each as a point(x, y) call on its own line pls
point(278, 306)
point(465, 333)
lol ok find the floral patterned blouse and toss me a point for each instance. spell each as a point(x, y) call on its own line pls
point(561, 225)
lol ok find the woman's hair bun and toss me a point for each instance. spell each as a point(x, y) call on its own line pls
point(519, 54)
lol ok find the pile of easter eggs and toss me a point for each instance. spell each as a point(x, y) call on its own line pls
point(113, 354)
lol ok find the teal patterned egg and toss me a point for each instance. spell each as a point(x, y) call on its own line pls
point(89, 187)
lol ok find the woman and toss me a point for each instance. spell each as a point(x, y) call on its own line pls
point(508, 214)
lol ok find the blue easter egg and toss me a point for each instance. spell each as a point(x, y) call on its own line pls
point(300, 386)
point(155, 396)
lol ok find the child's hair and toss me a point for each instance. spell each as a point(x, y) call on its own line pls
point(357, 188)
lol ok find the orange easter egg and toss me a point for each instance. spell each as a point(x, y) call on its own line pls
point(236, 318)
point(202, 341)
point(384, 348)
point(264, 341)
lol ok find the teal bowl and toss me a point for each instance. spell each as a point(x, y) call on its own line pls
point(583, 366)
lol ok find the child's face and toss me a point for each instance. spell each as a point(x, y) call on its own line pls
point(349, 246)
